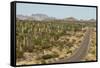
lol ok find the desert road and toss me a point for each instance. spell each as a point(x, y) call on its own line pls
point(80, 52)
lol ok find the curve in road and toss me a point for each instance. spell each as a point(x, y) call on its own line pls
point(81, 52)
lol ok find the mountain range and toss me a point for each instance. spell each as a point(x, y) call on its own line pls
point(41, 17)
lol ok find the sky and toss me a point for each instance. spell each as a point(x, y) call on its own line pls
point(57, 11)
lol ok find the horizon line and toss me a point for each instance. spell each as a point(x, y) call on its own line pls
point(56, 17)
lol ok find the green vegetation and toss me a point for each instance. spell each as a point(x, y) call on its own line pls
point(40, 37)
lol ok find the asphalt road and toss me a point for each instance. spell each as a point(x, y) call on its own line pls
point(80, 52)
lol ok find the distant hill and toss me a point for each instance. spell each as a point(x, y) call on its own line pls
point(92, 20)
point(22, 17)
point(38, 17)
point(70, 19)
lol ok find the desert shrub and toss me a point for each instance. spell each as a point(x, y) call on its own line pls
point(43, 61)
point(48, 56)
point(69, 51)
point(19, 54)
point(73, 40)
point(28, 48)
point(69, 44)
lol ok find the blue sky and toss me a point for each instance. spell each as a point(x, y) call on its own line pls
point(56, 10)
